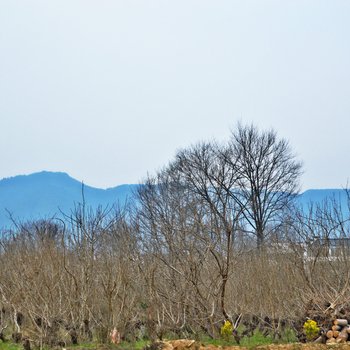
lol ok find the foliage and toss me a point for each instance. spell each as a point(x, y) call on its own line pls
point(226, 330)
point(257, 339)
point(9, 346)
point(311, 329)
point(138, 345)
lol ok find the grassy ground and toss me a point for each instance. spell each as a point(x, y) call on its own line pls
point(9, 346)
point(256, 340)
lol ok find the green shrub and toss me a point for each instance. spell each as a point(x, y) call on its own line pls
point(226, 330)
point(311, 329)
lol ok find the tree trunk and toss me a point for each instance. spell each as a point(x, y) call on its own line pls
point(259, 237)
point(341, 322)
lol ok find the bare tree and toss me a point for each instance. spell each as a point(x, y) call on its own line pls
point(208, 177)
point(172, 224)
point(268, 176)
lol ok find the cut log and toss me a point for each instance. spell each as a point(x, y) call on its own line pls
point(182, 344)
point(331, 341)
point(340, 340)
point(329, 334)
point(336, 334)
point(341, 322)
point(167, 346)
point(343, 335)
point(336, 328)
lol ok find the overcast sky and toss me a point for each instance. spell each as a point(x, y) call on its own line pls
point(108, 90)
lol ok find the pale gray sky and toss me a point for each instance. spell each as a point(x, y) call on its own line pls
point(108, 90)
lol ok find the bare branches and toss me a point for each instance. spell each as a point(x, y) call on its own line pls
point(184, 258)
point(268, 175)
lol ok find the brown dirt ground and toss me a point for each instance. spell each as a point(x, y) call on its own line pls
point(191, 345)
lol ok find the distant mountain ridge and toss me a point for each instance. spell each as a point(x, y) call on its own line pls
point(44, 194)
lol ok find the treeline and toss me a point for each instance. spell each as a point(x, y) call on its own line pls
point(213, 236)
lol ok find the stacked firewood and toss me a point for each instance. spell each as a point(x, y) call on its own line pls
point(339, 333)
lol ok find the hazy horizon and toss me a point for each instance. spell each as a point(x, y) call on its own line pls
point(137, 183)
point(108, 91)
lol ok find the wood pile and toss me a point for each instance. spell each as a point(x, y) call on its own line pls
point(339, 333)
point(187, 344)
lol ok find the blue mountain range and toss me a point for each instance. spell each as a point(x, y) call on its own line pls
point(46, 194)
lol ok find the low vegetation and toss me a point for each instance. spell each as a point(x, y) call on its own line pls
point(212, 248)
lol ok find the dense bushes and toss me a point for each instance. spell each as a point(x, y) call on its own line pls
point(76, 279)
point(212, 238)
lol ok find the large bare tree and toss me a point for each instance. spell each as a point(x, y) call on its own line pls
point(207, 176)
point(268, 176)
